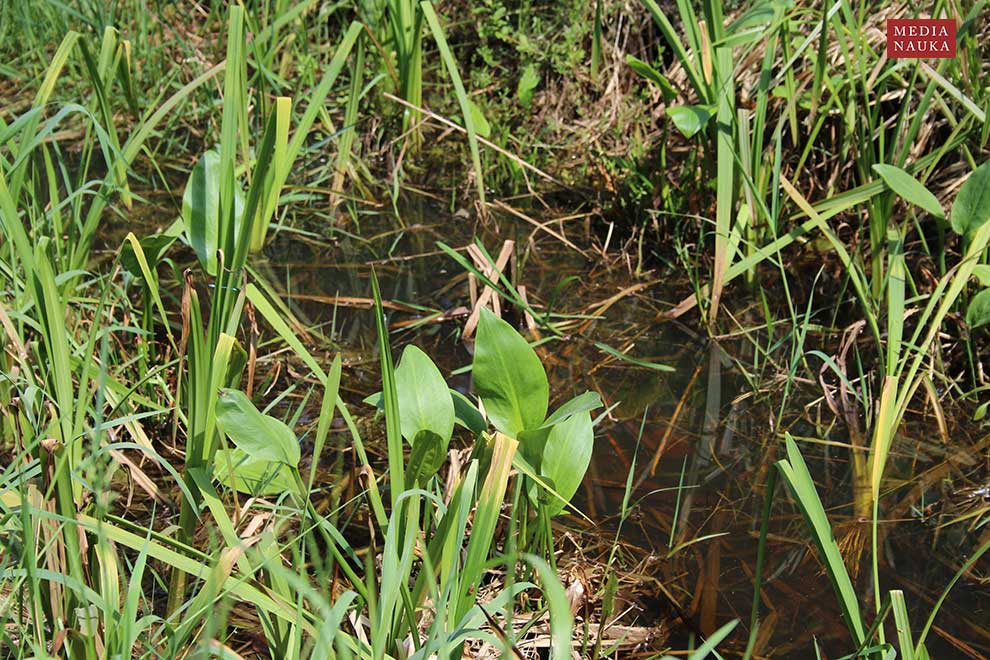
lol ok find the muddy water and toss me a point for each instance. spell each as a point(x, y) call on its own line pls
point(695, 441)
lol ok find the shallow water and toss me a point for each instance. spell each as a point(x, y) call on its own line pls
point(698, 453)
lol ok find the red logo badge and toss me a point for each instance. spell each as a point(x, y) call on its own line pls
point(921, 38)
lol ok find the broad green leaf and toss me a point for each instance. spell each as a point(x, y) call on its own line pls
point(909, 188)
point(978, 312)
point(201, 209)
point(531, 444)
point(251, 476)
point(467, 414)
point(481, 126)
point(689, 119)
point(581, 403)
point(646, 71)
point(424, 398)
point(982, 274)
point(528, 82)
point(428, 453)
point(154, 248)
point(259, 436)
point(508, 376)
point(972, 206)
point(566, 457)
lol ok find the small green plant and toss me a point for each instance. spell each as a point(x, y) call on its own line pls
point(512, 387)
point(224, 224)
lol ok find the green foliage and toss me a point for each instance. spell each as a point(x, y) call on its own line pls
point(971, 210)
point(978, 310)
point(251, 474)
point(509, 377)
point(259, 436)
point(566, 457)
point(690, 119)
point(796, 474)
point(201, 209)
point(528, 82)
point(425, 403)
point(513, 388)
point(107, 124)
point(909, 188)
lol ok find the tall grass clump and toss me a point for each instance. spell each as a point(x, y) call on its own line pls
point(77, 566)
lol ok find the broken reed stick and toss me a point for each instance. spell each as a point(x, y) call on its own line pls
point(492, 273)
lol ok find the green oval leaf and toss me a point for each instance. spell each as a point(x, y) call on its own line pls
point(260, 436)
point(201, 209)
point(528, 83)
point(508, 377)
point(424, 398)
point(481, 125)
point(972, 206)
point(428, 453)
point(566, 457)
point(909, 189)
point(251, 476)
point(646, 71)
point(978, 312)
point(689, 119)
point(982, 274)
point(467, 414)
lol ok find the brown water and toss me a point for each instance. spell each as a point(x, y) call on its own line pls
point(688, 543)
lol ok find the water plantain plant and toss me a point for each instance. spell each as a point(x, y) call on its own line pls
point(224, 224)
point(513, 391)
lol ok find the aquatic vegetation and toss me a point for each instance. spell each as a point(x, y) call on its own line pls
point(754, 251)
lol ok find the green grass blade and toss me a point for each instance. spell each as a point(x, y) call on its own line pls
point(796, 474)
point(462, 98)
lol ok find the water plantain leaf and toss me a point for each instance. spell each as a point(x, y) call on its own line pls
point(533, 441)
point(259, 436)
point(982, 274)
point(972, 206)
point(978, 312)
point(690, 119)
point(909, 189)
point(428, 453)
point(531, 444)
point(481, 125)
point(566, 457)
point(424, 398)
point(508, 377)
point(251, 476)
point(528, 82)
point(581, 403)
point(201, 209)
point(154, 247)
point(467, 414)
point(644, 70)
